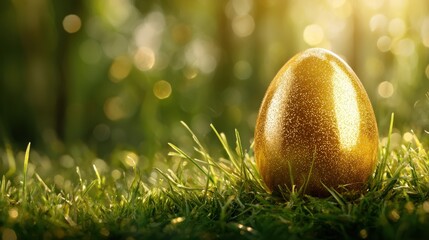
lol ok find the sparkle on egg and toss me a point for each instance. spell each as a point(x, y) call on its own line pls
point(316, 127)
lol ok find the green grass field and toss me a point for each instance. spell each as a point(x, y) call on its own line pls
point(200, 196)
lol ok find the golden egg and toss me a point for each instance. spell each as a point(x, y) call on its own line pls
point(316, 127)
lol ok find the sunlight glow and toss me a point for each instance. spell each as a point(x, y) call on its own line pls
point(346, 109)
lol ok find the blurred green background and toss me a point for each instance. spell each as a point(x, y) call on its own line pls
point(122, 74)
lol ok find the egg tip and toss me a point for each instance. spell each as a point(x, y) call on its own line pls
point(319, 52)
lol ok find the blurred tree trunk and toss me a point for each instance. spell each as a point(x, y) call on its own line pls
point(63, 61)
point(222, 77)
point(38, 37)
point(46, 46)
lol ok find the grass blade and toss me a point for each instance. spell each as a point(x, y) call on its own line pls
point(98, 175)
point(24, 185)
point(225, 146)
point(381, 168)
point(3, 187)
point(183, 154)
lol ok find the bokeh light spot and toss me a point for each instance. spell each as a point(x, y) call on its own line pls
point(241, 7)
point(385, 89)
point(363, 233)
point(72, 23)
point(200, 53)
point(117, 11)
point(90, 51)
point(408, 137)
point(208, 64)
point(397, 27)
point(105, 232)
point(101, 165)
point(242, 70)
point(409, 207)
point(101, 132)
point(162, 89)
point(116, 174)
point(13, 213)
point(378, 22)
point(190, 73)
point(130, 159)
point(8, 234)
point(177, 220)
point(243, 26)
point(148, 33)
point(59, 180)
point(120, 69)
point(67, 161)
point(394, 215)
point(384, 43)
point(313, 34)
point(114, 108)
point(404, 47)
point(144, 59)
point(115, 45)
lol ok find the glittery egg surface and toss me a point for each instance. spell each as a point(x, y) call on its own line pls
point(316, 127)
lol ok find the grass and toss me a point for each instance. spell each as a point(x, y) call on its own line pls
point(199, 196)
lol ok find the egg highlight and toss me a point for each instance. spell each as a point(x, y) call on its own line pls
point(316, 127)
